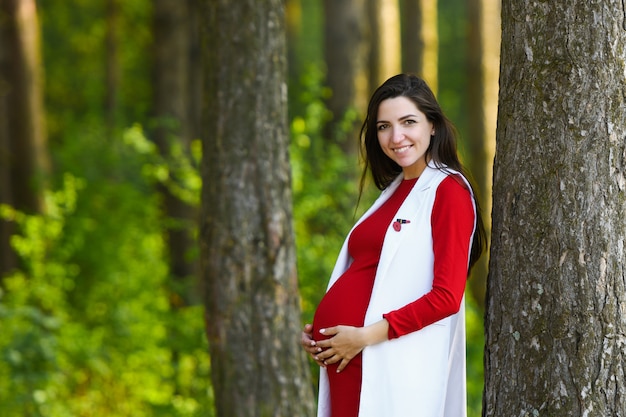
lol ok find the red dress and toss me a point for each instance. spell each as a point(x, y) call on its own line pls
point(347, 300)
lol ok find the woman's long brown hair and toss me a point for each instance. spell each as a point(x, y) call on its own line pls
point(442, 151)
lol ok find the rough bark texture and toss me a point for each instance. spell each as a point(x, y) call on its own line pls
point(23, 152)
point(247, 243)
point(556, 303)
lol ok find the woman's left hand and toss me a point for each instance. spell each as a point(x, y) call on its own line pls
point(344, 344)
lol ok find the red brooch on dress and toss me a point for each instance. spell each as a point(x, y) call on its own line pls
point(397, 225)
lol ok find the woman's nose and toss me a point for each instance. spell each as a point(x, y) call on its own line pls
point(397, 135)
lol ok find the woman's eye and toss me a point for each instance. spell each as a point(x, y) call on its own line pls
point(409, 121)
point(382, 127)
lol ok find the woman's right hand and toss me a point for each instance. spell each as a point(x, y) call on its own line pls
point(309, 345)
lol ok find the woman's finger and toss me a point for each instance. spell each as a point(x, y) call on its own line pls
point(343, 364)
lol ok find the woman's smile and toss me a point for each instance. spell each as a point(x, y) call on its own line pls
point(402, 149)
point(404, 134)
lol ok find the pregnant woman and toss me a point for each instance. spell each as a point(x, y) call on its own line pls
point(389, 333)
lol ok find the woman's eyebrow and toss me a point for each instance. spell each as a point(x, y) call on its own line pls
point(400, 119)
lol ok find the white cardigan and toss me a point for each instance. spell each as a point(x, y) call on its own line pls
point(421, 374)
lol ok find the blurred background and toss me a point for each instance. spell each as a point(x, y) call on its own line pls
point(100, 126)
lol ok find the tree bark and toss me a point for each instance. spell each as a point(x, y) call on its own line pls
point(247, 243)
point(556, 318)
point(345, 53)
point(24, 160)
point(420, 46)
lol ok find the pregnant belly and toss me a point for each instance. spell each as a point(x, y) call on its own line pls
point(345, 303)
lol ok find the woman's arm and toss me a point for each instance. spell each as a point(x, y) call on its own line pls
point(452, 223)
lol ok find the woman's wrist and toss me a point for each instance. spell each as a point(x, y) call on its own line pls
point(376, 333)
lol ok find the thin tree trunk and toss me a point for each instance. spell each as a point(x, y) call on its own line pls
point(412, 40)
point(173, 29)
point(385, 55)
point(8, 257)
point(194, 86)
point(420, 41)
point(112, 66)
point(23, 149)
point(247, 242)
point(345, 52)
point(174, 115)
point(483, 64)
point(293, 10)
point(556, 318)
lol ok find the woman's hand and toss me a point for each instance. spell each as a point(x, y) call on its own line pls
point(310, 345)
point(346, 342)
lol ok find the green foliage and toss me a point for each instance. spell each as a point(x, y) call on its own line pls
point(475, 344)
point(74, 39)
point(453, 80)
point(178, 173)
point(88, 327)
point(324, 194)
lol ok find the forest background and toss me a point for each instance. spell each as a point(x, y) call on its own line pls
point(94, 318)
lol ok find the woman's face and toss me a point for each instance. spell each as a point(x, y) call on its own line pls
point(404, 134)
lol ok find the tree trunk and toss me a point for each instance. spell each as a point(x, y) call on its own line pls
point(247, 243)
point(24, 159)
point(345, 53)
point(112, 66)
point(173, 126)
point(482, 92)
point(556, 318)
point(8, 257)
point(420, 46)
point(293, 11)
point(385, 55)
point(194, 86)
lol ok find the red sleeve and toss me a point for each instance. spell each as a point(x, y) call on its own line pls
point(452, 223)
